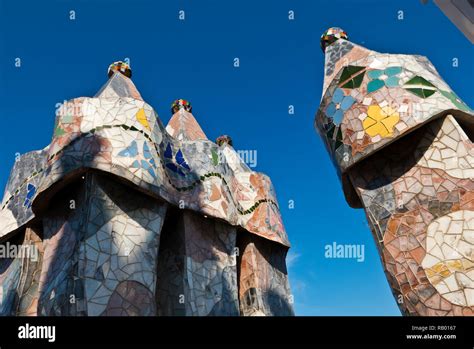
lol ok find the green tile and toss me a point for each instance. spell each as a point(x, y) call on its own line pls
point(418, 80)
point(349, 71)
point(355, 82)
point(421, 92)
point(59, 132)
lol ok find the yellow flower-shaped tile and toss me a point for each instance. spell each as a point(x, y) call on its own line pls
point(380, 121)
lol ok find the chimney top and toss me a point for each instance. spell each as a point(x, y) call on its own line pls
point(120, 67)
point(332, 35)
point(181, 104)
point(224, 139)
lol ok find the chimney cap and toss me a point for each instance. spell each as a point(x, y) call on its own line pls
point(332, 35)
point(121, 67)
point(224, 139)
point(181, 104)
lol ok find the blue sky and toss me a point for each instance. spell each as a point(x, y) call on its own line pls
point(281, 64)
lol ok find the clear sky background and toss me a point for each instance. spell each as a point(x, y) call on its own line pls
point(281, 64)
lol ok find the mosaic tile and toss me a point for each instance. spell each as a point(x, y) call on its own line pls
point(404, 155)
point(132, 218)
